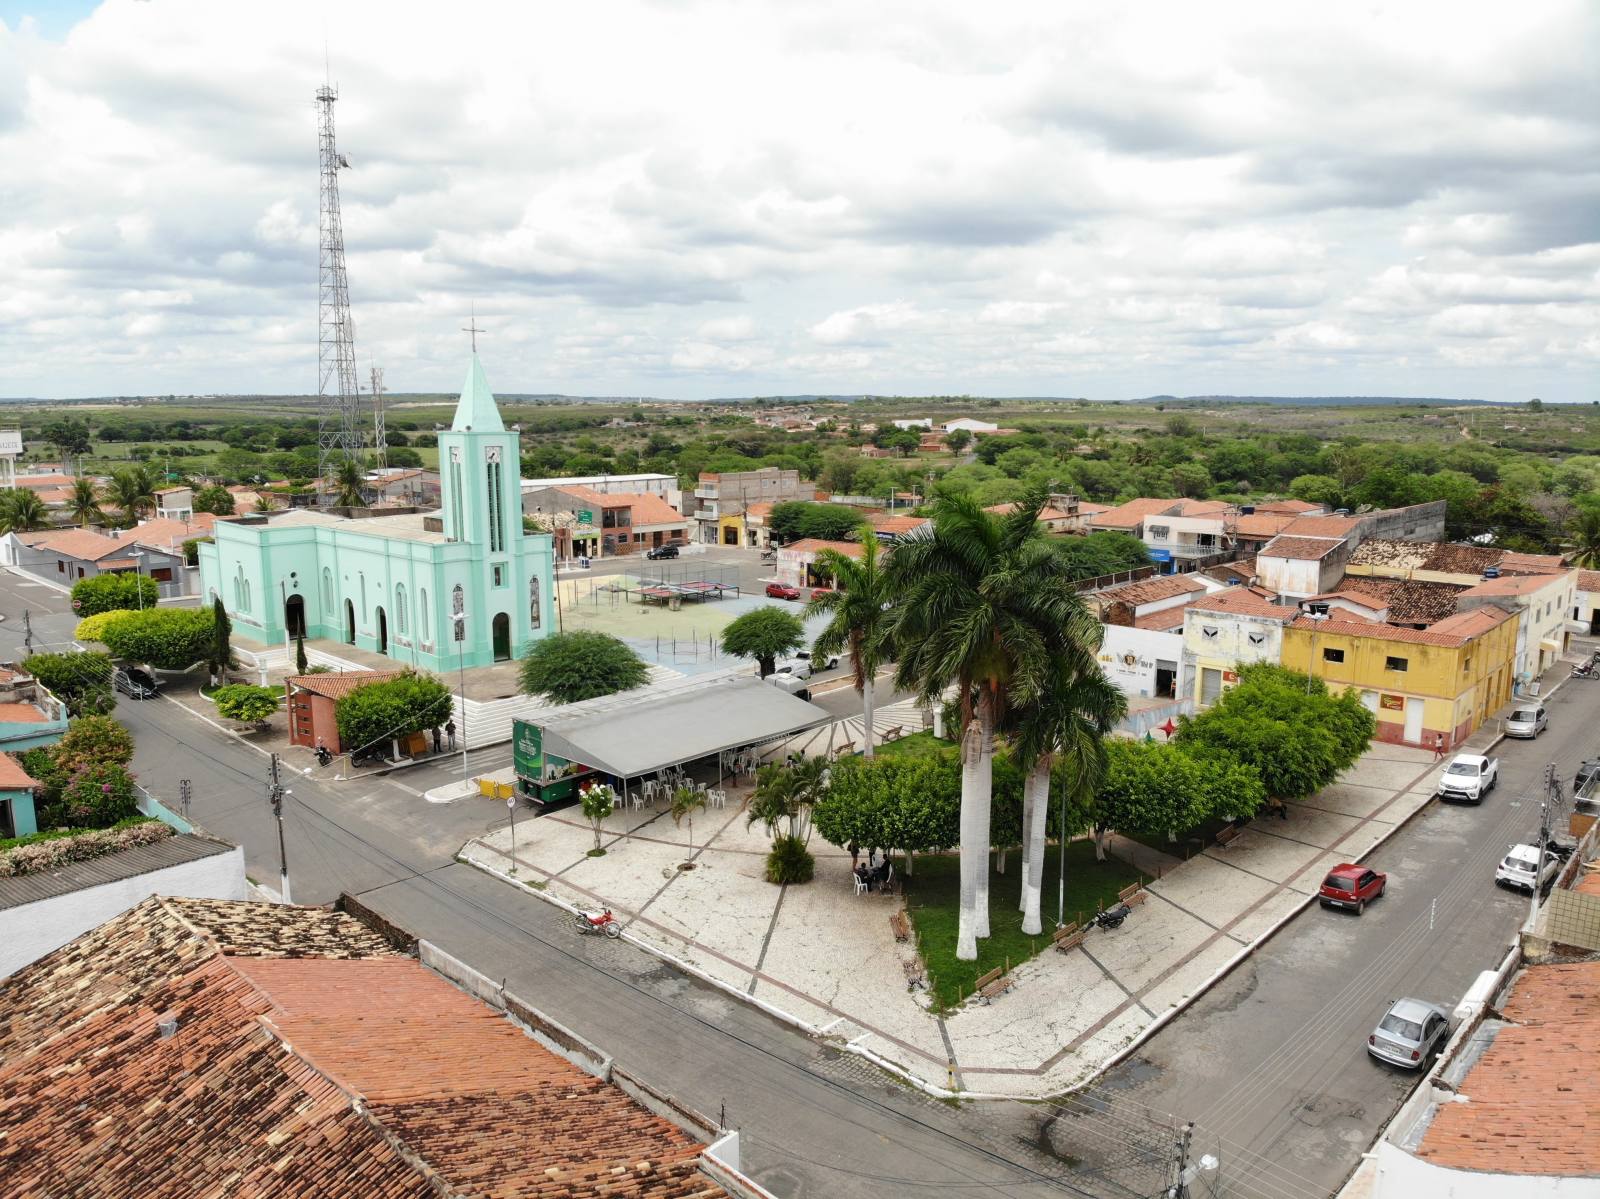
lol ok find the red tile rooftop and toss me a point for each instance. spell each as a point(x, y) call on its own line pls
point(1245, 601)
point(1151, 590)
point(1304, 549)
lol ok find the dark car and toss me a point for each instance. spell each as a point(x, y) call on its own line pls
point(1585, 776)
point(783, 591)
point(1351, 886)
point(661, 551)
point(134, 682)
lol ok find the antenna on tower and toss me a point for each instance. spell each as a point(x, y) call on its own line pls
point(339, 436)
point(380, 444)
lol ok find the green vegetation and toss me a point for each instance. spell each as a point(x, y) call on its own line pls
point(933, 903)
point(598, 800)
point(166, 638)
point(245, 703)
point(569, 667)
point(765, 634)
point(81, 681)
point(800, 519)
point(21, 510)
point(371, 717)
point(858, 609)
point(110, 593)
point(783, 800)
point(93, 739)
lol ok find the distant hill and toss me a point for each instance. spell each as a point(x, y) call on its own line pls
point(1316, 401)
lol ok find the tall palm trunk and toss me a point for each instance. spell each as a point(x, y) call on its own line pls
point(977, 777)
point(981, 818)
point(866, 708)
point(1036, 808)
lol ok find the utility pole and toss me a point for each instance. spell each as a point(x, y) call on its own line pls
point(27, 633)
point(1547, 805)
point(1180, 1187)
point(185, 793)
point(275, 793)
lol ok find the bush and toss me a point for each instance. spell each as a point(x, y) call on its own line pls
point(46, 851)
point(92, 741)
point(99, 796)
point(371, 716)
point(191, 550)
point(245, 703)
point(166, 638)
point(81, 681)
point(105, 593)
point(569, 667)
point(215, 499)
point(789, 861)
point(798, 519)
point(92, 628)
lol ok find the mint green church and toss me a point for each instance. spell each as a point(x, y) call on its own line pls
point(463, 584)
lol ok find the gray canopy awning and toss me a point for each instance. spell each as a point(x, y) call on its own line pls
point(633, 734)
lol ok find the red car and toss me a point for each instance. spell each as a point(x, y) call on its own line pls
point(783, 591)
point(1351, 886)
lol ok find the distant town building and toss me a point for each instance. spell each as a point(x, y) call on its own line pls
point(720, 501)
point(606, 524)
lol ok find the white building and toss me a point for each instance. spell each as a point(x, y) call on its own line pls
point(1237, 626)
point(1300, 567)
point(1543, 602)
point(975, 427)
point(1586, 603)
point(1142, 646)
point(10, 451)
point(921, 422)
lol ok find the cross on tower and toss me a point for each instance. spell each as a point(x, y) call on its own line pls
point(472, 328)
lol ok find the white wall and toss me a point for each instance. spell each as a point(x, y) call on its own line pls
point(1402, 1176)
point(1145, 647)
point(1299, 577)
point(30, 931)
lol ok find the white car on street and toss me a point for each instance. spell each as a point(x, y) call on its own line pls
point(1517, 868)
point(802, 666)
point(1469, 777)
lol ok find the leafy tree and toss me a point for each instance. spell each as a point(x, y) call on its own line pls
point(986, 606)
point(1287, 727)
point(1191, 479)
point(41, 766)
point(1585, 539)
point(21, 510)
point(764, 634)
point(246, 704)
point(85, 503)
point(300, 654)
point(81, 681)
point(191, 550)
point(132, 491)
point(911, 804)
point(166, 638)
point(598, 801)
point(372, 716)
point(215, 499)
point(783, 800)
point(350, 483)
point(113, 592)
point(1318, 489)
point(568, 667)
point(1159, 790)
point(860, 611)
point(70, 437)
point(99, 796)
point(686, 801)
point(404, 457)
point(219, 656)
point(92, 740)
point(798, 519)
point(1101, 553)
point(957, 440)
point(90, 628)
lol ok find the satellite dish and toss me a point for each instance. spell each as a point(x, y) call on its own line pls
point(344, 160)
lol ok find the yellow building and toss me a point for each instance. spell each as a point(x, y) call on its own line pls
point(1421, 684)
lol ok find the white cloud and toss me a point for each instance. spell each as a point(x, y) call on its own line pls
point(712, 198)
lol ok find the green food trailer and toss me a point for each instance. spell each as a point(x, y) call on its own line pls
point(544, 780)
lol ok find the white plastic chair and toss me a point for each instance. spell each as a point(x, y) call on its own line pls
point(861, 884)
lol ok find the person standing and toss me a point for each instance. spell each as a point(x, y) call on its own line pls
point(450, 731)
point(1438, 746)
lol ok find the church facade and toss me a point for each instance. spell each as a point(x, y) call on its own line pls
point(461, 586)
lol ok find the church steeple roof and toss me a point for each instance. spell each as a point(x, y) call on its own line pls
point(476, 411)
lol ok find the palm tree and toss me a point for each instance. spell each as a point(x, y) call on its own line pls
point(21, 510)
point(1585, 540)
point(686, 801)
point(1070, 722)
point(131, 491)
point(986, 606)
point(783, 799)
point(861, 607)
point(350, 482)
point(85, 503)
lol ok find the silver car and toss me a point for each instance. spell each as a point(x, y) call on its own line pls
point(1411, 1031)
point(1526, 721)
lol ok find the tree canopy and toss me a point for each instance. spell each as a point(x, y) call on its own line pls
point(81, 681)
point(166, 638)
point(804, 518)
point(1163, 790)
point(370, 717)
point(109, 592)
point(245, 703)
point(764, 634)
point(215, 498)
point(568, 667)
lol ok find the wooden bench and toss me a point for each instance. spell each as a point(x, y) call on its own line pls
point(845, 749)
point(900, 926)
point(1067, 938)
point(1132, 895)
point(895, 733)
point(992, 985)
point(1227, 833)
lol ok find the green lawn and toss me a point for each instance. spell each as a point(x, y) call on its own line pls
point(933, 896)
point(917, 745)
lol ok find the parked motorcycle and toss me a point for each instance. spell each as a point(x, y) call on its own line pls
point(1112, 917)
point(1586, 670)
point(324, 756)
point(599, 922)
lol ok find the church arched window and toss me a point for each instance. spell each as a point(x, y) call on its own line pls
point(400, 608)
point(327, 590)
point(424, 630)
point(533, 602)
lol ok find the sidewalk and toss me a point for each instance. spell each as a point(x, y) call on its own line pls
point(827, 960)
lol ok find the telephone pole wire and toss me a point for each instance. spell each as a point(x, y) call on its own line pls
point(275, 793)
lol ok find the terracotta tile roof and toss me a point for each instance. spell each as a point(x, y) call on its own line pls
point(307, 1059)
point(1447, 557)
point(337, 686)
point(1151, 590)
point(1531, 1103)
point(1090, 508)
point(897, 524)
point(1126, 516)
point(20, 714)
point(12, 776)
point(1261, 524)
point(1162, 619)
point(813, 545)
point(759, 508)
point(1455, 631)
point(1307, 549)
point(1289, 507)
point(166, 533)
point(590, 496)
point(1241, 569)
point(1533, 564)
point(1201, 508)
point(1589, 580)
point(1352, 590)
point(83, 545)
point(1244, 601)
point(1322, 526)
point(1410, 601)
point(1513, 585)
point(653, 510)
point(1045, 513)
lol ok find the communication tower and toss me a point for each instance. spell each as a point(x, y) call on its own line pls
point(339, 434)
point(380, 446)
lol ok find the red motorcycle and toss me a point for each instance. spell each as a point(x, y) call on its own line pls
point(599, 922)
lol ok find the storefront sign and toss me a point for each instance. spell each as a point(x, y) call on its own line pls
point(527, 749)
point(1392, 703)
point(1230, 676)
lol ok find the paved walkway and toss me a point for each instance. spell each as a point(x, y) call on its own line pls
point(827, 959)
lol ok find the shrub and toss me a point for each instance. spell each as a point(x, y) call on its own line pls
point(371, 716)
point(191, 550)
point(99, 796)
point(166, 638)
point(50, 851)
point(81, 681)
point(569, 667)
point(215, 499)
point(106, 593)
point(92, 741)
point(789, 861)
point(92, 628)
point(245, 703)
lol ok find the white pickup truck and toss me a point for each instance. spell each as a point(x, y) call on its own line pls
point(1468, 778)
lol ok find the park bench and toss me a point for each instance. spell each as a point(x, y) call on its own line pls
point(1067, 938)
point(992, 985)
point(845, 749)
point(1132, 895)
point(901, 926)
point(895, 733)
point(1226, 834)
point(914, 975)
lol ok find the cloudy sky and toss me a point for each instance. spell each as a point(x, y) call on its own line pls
point(704, 199)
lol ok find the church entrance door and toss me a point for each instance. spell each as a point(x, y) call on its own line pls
point(383, 632)
point(349, 622)
point(502, 637)
point(294, 616)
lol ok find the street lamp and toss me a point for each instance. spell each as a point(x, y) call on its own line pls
point(1316, 613)
point(138, 559)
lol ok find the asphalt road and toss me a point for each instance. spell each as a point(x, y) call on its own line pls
point(1272, 1062)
